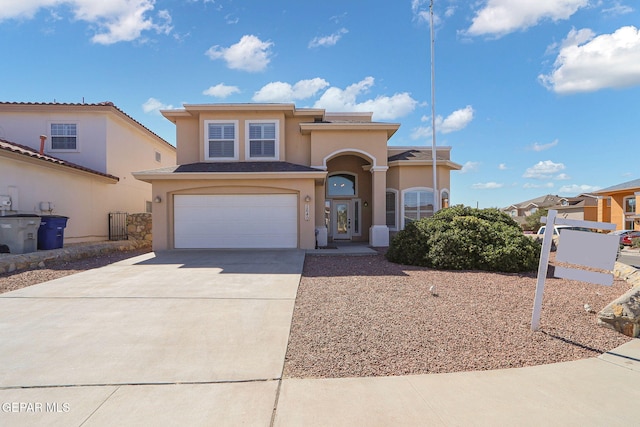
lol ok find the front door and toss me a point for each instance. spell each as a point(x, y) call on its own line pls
point(341, 220)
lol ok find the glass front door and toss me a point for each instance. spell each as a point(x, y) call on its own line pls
point(341, 220)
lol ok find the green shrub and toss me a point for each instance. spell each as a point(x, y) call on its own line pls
point(463, 238)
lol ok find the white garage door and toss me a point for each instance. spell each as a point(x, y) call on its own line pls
point(236, 221)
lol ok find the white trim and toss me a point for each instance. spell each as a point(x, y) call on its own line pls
point(349, 150)
point(205, 144)
point(412, 189)
point(63, 150)
point(379, 169)
point(395, 208)
point(247, 146)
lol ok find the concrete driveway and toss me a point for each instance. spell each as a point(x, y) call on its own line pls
point(174, 338)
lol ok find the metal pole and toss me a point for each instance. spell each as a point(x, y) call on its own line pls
point(436, 198)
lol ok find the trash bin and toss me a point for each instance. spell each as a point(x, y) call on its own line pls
point(51, 231)
point(20, 232)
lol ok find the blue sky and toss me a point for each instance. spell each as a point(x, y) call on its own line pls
point(534, 96)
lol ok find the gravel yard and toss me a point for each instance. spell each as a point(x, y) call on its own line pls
point(364, 316)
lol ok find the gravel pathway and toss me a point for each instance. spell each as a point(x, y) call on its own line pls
point(364, 316)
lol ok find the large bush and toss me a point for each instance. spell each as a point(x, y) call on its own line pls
point(463, 238)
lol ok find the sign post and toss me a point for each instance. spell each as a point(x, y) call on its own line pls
point(579, 249)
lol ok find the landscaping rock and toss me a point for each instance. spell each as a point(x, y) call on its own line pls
point(623, 314)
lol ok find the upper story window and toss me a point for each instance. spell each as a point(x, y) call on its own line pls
point(262, 140)
point(158, 156)
point(221, 141)
point(630, 204)
point(64, 136)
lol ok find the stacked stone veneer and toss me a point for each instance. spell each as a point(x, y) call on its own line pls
point(139, 227)
point(623, 314)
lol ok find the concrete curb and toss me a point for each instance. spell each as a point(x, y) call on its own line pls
point(11, 263)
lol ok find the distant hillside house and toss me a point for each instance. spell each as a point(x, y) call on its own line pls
point(520, 211)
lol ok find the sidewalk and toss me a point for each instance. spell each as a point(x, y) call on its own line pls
point(591, 392)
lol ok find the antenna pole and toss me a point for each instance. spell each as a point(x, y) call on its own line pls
point(436, 198)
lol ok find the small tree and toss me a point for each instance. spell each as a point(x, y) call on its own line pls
point(532, 222)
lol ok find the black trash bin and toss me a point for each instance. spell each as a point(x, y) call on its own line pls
point(51, 231)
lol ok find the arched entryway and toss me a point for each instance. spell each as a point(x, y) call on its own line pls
point(348, 195)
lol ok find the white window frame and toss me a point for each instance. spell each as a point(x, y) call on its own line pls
point(625, 200)
point(396, 193)
point(411, 190)
point(235, 156)
point(247, 146)
point(51, 136)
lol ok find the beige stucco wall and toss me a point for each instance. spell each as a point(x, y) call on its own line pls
point(130, 150)
point(166, 189)
point(326, 144)
point(82, 197)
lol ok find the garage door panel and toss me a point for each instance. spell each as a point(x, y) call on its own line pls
point(236, 221)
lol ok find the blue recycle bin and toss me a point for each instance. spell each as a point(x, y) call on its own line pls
point(51, 231)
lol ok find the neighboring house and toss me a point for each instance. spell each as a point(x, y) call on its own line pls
point(81, 166)
point(583, 207)
point(520, 211)
point(619, 205)
point(273, 175)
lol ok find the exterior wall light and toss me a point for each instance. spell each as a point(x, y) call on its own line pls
point(158, 199)
point(307, 199)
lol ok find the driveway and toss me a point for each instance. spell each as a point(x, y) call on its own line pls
point(180, 337)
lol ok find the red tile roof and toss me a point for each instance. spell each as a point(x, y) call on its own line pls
point(30, 152)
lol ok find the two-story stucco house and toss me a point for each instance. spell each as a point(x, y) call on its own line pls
point(77, 160)
point(277, 176)
point(620, 205)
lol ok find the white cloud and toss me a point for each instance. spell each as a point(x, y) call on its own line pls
point(500, 17)
point(420, 10)
point(249, 54)
point(329, 40)
point(454, 122)
point(486, 186)
point(618, 9)
point(470, 167)
point(152, 105)
point(562, 177)
point(502, 167)
point(578, 189)
point(545, 185)
point(285, 92)
point(383, 107)
point(221, 90)
point(115, 20)
point(542, 147)
point(587, 63)
point(543, 170)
